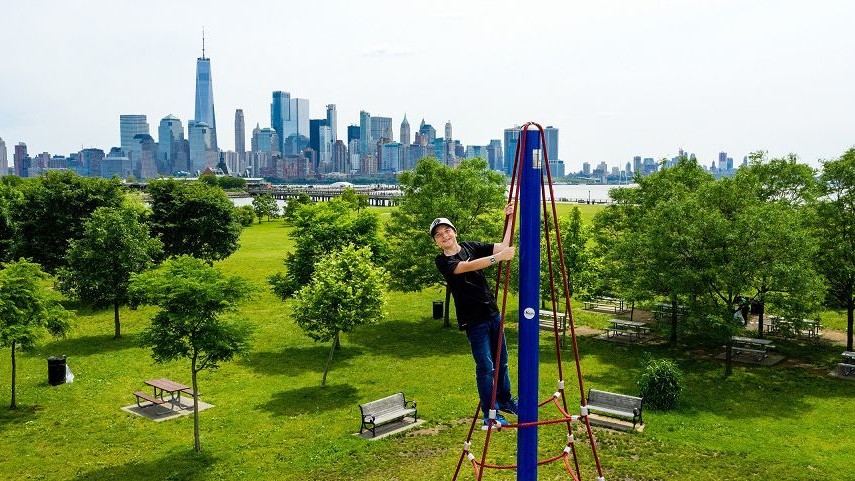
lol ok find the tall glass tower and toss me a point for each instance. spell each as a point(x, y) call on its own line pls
point(205, 95)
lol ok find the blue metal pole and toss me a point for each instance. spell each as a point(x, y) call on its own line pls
point(529, 307)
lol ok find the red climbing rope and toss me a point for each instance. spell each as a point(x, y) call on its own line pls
point(558, 399)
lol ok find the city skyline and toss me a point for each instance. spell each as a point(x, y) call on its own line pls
point(732, 77)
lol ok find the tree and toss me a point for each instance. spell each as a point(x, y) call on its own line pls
point(245, 214)
point(634, 254)
point(470, 195)
point(323, 228)
point(346, 291)
point(28, 308)
point(192, 297)
point(356, 200)
point(836, 234)
point(52, 211)
point(265, 204)
point(10, 197)
point(293, 205)
point(228, 182)
point(193, 218)
point(115, 244)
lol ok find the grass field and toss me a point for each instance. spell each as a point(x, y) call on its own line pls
point(272, 420)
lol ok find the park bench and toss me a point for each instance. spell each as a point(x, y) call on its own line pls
point(148, 397)
point(601, 302)
point(617, 405)
point(385, 410)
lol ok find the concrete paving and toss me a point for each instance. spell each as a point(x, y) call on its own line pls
point(166, 411)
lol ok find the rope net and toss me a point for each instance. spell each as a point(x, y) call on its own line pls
point(558, 400)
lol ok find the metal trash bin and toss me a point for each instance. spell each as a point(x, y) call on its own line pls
point(437, 309)
point(56, 370)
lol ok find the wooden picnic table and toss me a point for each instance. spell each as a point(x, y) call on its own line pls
point(631, 329)
point(809, 327)
point(162, 386)
point(752, 345)
point(847, 367)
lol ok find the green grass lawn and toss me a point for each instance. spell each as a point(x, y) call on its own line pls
point(272, 420)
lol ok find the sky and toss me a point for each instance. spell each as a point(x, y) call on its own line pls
point(618, 78)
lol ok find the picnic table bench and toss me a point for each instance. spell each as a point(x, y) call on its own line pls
point(847, 367)
point(750, 345)
point(809, 328)
point(160, 388)
point(630, 329)
point(547, 320)
point(385, 410)
point(600, 302)
point(617, 405)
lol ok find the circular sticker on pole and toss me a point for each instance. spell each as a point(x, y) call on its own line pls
point(528, 313)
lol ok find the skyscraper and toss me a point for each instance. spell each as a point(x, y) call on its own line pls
point(332, 121)
point(129, 127)
point(205, 96)
point(365, 133)
point(494, 155)
point(381, 128)
point(289, 118)
point(512, 136)
point(201, 152)
point(448, 131)
point(170, 140)
point(280, 112)
point(240, 137)
point(21, 160)
point(4, 165)
point(314, 133)
point(551, 135)
point(405, 132)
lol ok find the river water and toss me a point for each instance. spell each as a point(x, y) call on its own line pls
point(598, 193)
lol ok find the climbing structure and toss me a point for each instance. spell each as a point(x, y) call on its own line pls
point(528, 190)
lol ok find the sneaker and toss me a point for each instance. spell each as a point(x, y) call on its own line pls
point(510, 407)
point(499, 419)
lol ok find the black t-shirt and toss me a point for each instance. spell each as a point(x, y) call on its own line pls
point(473, 299)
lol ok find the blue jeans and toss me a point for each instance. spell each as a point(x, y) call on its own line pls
point(483, 338)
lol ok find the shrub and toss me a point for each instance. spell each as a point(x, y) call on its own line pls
point(245, 215)
point(660, 384)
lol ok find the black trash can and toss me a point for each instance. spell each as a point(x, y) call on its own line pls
point(56, 370)
point(437, 309)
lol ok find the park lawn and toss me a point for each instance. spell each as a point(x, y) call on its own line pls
point(271, 417)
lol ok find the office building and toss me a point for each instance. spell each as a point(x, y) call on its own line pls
point(636, 164)
point(550, 134)
point(448, 136)
point(170, 144)
point(332, 122)
point(202, 153)
point(352, 133)
point(280, 113)
point(381, 129)
point(427, 132)
point(21, 160)
point(4, 163)
point(91, 161)
point(512, 136)
point(131, 125)
point(204, 112)
point(495, 158)
point(365, 147)
point(240, 139)
point(115, 164)
point(405, 132)
point(143, 155)
point(339, 157)
point(314, 133)
point(390, 157)
point(324, 144)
